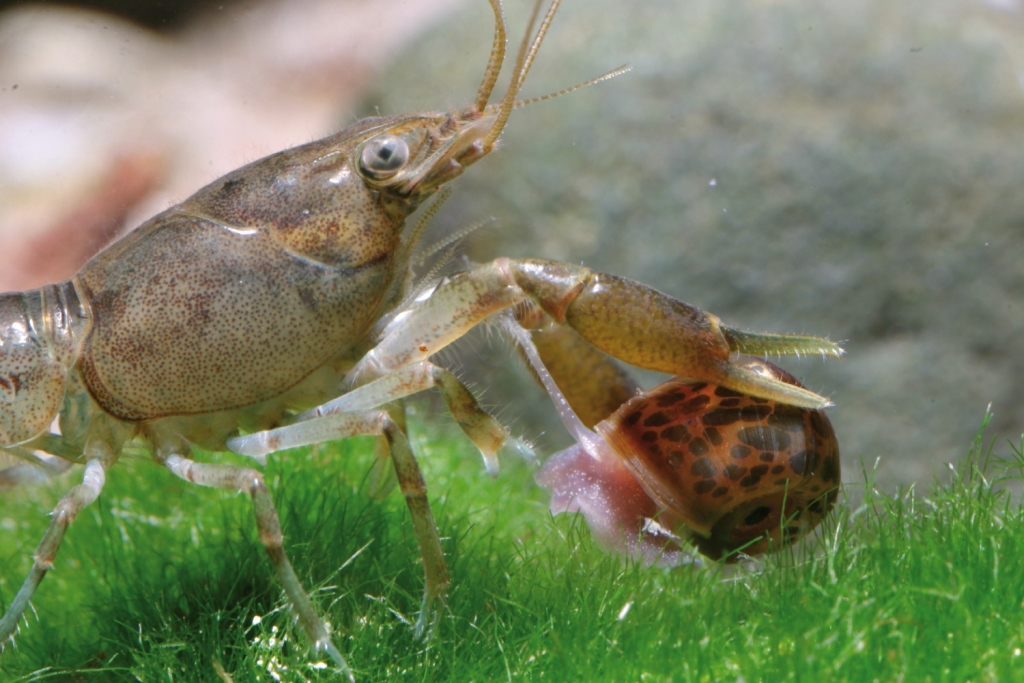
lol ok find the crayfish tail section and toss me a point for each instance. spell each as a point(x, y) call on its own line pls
point(40, 334)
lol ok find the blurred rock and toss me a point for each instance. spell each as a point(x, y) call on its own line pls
point(847, 169)
point(103, 123)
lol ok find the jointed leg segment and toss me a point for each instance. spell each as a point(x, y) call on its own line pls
point(482, 429)
point(352, 415)
point(623, 318)
point(332, 426)
point(269, 528)
point(69, 506)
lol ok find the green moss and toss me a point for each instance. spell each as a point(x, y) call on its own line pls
point(161, 581)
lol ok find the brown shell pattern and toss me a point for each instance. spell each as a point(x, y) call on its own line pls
point(739, 471)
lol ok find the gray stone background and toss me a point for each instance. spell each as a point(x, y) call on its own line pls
point(848, 169)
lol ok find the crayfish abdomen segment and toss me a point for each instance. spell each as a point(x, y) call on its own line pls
point(40, 333)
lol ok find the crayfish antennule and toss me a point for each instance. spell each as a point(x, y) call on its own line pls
point(495, 61)
point(524, 60)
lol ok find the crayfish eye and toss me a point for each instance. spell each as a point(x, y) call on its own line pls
point(383, 156)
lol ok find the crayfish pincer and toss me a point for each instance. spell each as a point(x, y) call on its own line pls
point(278, 307)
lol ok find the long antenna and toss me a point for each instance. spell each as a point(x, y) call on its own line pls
point(565, 91)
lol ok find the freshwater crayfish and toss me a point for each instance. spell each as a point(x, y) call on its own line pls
point(278, 307)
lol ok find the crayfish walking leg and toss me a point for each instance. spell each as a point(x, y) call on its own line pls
point(69, 506)
point(353, 414)
point(340, 425)
point(269, 528)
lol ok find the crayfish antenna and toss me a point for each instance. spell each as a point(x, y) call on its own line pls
point(573, 88)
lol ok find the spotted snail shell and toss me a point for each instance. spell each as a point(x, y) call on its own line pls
point(738, 473)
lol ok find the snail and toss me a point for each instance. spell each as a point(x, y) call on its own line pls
point(732, 473)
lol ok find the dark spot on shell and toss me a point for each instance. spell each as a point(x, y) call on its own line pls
point(657, 419)
point(695, 404)
point(655, 450)
point(815, 506)
point(675, 459)
point(815, 488)
point(792, 531)
point(759, 471)
point(649, 437)
point(734, 471)
point(749, 480)
point(719, 492)
point(677, 433)
point(789, 418)
point(757, 515)
point(729, 402)
point(780, 482)
point(739, 451)
point(778, 469)
point(764, 438)
point(726, 393)
point(798, 462)
point(712, 435)
point(721, 417)
point(758, 399)
point(702, 467)
point(698, 386)
point(703, 486)
point(699, 446)
point(820, 424)
point(755, 413)
point(830, 469)
point(632, 418)
point(767, 456)
point(671, 398)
